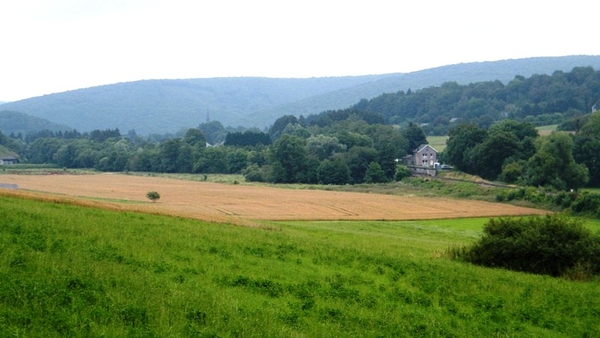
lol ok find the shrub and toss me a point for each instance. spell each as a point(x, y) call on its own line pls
point(402, 171)
point(511, 172)
point(534, 195)
point(587, 203)
point(563, 199)
point(375, 174)
point(253, 173)
point(552, 245)
point(153, 196)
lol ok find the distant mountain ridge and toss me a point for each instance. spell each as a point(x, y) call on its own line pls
point(160, 106)
point(12, 122)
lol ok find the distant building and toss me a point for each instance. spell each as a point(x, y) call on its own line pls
point(424, 156)
point(7, 160)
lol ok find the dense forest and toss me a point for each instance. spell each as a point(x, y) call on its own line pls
point(539, 99)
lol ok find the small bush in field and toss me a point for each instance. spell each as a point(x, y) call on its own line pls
point(552, 245)
point(153, 196)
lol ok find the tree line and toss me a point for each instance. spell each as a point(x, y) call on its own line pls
point(354, 149)
point(539, 99)
point(334, 147)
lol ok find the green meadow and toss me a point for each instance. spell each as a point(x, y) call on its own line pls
point(81, 272)
point(437, 142)
point(546, 130)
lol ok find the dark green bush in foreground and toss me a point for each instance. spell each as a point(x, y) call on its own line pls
point(552, 245)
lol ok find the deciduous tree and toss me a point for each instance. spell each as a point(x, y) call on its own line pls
point(461, 140)
point(288, 158)
point(553, 165)
point(414, 135)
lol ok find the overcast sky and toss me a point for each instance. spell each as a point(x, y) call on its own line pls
point(49, 46)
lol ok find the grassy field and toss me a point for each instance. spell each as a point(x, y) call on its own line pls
point(77, 271)
point(546, 130)
point(592, 190)
point(437, 142)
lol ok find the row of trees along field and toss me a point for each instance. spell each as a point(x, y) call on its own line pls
point(335, 147)
point(539, 99)
point(350, 148)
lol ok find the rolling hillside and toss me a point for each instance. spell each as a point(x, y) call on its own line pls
point(15, 122)
point(160, 106)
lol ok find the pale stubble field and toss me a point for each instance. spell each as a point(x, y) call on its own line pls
point(237, 203)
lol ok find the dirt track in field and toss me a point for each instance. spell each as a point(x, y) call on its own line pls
point(225, 203)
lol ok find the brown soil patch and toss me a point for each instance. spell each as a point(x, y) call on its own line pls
point(236, 203)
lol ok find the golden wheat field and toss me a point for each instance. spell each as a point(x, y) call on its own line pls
point(236, 203)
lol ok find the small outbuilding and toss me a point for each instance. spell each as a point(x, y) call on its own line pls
point(7, 160)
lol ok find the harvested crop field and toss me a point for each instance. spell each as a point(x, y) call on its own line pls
point(235, 203)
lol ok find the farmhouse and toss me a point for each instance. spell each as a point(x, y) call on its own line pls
point(5, 160)
point(423, 161)
point(424, 156)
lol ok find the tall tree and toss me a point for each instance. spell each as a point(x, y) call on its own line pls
point(169, 155)
point(414, 135)
point(390, 146)
point(489, 156)
point(554, 166)
point(194, 137)
point(323, 147)
point(333, 172)
point(279, 125)
point(358, 159)
point(288, 156)
point(587, 147)
point(461, 141)
point(375, 174)
point(213, 160)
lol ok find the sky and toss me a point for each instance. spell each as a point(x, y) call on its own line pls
point(50, 46)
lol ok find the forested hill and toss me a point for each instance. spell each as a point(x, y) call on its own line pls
point(540, 99)
point(464, 73)
point(160, 106)
point(14, 123)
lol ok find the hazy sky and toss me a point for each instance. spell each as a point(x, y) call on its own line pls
point(49, 46)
